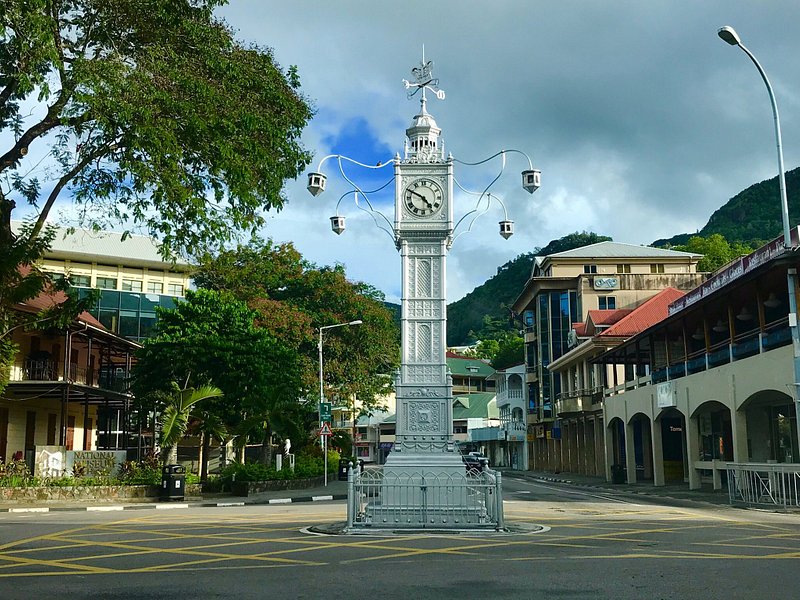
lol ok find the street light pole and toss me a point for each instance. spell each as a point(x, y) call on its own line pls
point(321, 396)
point(729, 35)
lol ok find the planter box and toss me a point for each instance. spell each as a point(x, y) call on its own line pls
point(246, 488)
point(82, 493)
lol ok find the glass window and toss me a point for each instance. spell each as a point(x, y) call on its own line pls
point(80, 280)
point(607, 302)
point(175, 289)
point(109, 299)
point(131, 285)
point(128, 324)
point(107, 283)
point(109, 319)
point(657, 268)
point(623, 268)
point(590, 268)
point(129, 301)
point(147, 323)
point(155, 287)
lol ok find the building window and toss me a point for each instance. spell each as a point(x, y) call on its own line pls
point(131, 285)
point(155, 287)
point(624, 268)
point(657, 268)
point(175, 289)
point(106, 283)
point(607, 302)
point(590, 268)
point(80, 280)
point(459, 429)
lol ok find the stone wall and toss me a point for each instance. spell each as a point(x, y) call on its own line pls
point(246, 488)
point(85, 493)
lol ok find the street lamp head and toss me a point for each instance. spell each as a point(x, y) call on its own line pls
point(358, 322)
point(729, 34)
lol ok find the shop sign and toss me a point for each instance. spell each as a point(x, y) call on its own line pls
point(95, 462)
point(386, 445)
point(665, 395)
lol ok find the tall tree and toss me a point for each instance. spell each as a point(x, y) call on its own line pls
point(211, 338)
point(716, 251)
point(150, 113)
point(294, 298)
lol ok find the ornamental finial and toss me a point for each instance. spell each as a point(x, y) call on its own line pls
point(423, 79)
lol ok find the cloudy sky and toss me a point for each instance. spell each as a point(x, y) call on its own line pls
point(641, 119)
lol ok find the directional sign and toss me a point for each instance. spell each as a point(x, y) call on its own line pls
point(325, 411)
point(325, 429)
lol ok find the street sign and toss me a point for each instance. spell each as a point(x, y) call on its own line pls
point(325, 429)
point(325, 411)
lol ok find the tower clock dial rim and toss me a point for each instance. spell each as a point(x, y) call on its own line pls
point(423, 197)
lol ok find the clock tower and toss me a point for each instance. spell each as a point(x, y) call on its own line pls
point(423, 232)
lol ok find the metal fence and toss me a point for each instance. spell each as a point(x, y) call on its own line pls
point(764, 484)
point(424, 500)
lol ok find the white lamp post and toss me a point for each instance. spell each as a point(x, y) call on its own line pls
point(321, 396)
point(729, 35)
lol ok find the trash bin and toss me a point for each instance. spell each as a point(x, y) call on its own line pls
point(173, 482)
point(344, 464)
point(617, 474)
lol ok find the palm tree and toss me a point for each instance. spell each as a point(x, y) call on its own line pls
point(174, 418)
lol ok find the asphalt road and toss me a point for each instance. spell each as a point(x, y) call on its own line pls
point(595, 545)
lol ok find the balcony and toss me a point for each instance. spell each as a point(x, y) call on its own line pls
point(50, 370)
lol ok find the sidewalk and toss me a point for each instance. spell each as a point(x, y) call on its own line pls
point(673, 492)
point(335, 490)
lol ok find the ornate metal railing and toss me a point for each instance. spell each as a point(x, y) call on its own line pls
point(424, 500)
point(765, 485)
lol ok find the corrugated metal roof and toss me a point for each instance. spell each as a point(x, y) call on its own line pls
point(620, 250)
point(474, 406)
point(647, 314)
point(466, 366)
point(106, 246)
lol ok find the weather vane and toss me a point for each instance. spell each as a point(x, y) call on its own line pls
point(424, 79)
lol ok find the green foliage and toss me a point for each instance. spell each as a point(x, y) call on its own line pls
point(716, 251)
point(212, 338)
point(293, 298)
point(485, 312)
point(510, 352)
point(174, 416)
point(154, 113)
point(305, 467)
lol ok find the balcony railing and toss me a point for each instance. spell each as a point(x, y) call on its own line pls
point(49, 370)
point(744, 346)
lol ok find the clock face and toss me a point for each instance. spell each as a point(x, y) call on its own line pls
point(423, 198)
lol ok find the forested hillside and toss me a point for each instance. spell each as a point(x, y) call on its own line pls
point(753, 216)
point(487, 306)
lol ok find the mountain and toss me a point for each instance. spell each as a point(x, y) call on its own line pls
point(753, 216)
point(492, 299)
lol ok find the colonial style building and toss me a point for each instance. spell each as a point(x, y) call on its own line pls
point(66, 387)
point(713, 382)
point(562, 289)
point(131, 275)
point(579, 405)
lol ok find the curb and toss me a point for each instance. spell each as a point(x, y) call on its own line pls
point(172, 506)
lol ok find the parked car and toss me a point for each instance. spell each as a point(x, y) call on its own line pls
point(474, 462)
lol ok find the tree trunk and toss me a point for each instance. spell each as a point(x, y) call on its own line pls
point(206, 447)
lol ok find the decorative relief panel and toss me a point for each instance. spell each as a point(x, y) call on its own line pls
point(423, 342)
point(423, 374)
point(424, 416)
point(424, 309)
point(423, 277)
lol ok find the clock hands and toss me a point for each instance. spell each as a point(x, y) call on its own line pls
point(424, 198)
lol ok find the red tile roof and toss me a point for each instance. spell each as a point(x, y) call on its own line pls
point(580, 329)
point(608, 317)
point(647, 314)
point(47, 300)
